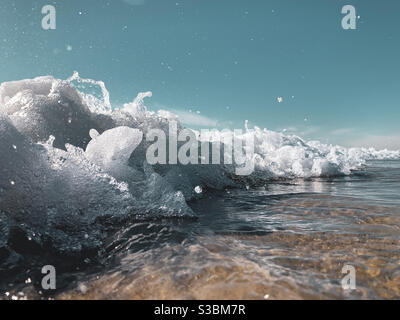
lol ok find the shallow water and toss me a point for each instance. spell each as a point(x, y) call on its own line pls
point(288, 240)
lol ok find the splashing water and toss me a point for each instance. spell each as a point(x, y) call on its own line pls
point(92, 169)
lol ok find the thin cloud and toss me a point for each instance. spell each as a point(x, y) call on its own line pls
point(194, 119)
point(309, 131)
point(289, 129)
point(377, 142)
point(190, 118)
point(342, 131)
point(135, 2)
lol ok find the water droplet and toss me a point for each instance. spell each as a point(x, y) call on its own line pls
point(82, 288)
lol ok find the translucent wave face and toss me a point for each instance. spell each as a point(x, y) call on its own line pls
point(94, 163)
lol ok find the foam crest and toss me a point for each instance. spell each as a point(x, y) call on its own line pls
point(93, 163)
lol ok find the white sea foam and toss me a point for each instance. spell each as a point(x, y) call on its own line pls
point(93, 163)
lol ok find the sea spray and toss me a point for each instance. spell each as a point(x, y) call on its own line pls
point(94, 167)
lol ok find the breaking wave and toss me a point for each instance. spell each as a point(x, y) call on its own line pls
point(69, 164)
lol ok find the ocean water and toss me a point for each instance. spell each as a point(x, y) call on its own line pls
point(287, 240)
point(77, 193)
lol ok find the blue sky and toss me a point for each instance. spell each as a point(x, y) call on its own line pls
point(220, 62)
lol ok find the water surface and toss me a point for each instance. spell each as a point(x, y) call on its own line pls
point(289, 240)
